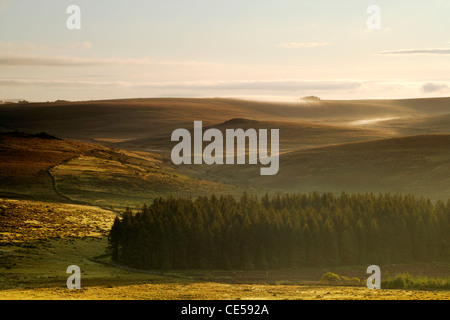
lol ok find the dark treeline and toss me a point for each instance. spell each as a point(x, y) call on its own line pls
point(282, 231)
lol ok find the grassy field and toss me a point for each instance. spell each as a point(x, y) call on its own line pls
point(45, 278)
point(40, 240)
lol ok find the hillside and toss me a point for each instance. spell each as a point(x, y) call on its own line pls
point(416, 125)
point(46, 168)
point(293, 135)
point(325, 146)
point(416, 165)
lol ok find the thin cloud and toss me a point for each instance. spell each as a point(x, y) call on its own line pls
point(432, 51)
point(11, 46)
point(280, 85)
point(55, 61)
point(434, 87)
point(277, 85)
point(67, 61)
point(62, 83)
point(292, 45)
point(89, 88)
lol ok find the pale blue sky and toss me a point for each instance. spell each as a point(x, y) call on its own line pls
point(267, 49)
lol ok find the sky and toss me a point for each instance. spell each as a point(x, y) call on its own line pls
point(253, 49)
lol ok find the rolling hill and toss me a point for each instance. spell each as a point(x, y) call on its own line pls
point(121, 153)
point(416, 125)
point(112, 121)
point(293, 135)
point(42, 167)
point(417, 165)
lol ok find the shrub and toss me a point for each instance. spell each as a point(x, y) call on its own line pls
point(351, 281)
point(333, 278)
point(330, 277)
point(311, 99)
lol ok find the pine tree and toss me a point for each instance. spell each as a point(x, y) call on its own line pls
point(281, 231)
point(114, 238)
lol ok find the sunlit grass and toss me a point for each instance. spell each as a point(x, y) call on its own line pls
point(406, 281)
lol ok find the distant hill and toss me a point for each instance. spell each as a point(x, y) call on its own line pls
point(293, 135)
point(110, 121)
point(418, 165)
